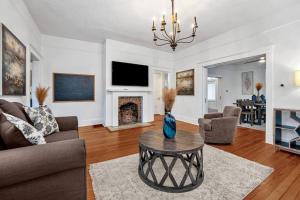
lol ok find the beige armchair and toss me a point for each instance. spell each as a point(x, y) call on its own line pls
point(219, 128)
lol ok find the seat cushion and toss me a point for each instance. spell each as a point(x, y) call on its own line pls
point(63, 135)
point(12, 109)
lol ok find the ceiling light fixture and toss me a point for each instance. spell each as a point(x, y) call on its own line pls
point(262, 60)
point(172, 38)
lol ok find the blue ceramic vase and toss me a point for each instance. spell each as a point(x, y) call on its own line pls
point(169, 127)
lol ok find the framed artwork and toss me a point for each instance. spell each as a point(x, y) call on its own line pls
point(73, 87)
point(247, 83)
point(13, 64)
point(185, 82)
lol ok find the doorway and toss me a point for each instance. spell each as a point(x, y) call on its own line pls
point(238, 87)
point(214, 94)
point(160, 81)
point(35, 77)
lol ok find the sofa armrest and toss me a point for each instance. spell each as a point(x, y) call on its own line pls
point(224, 123)
point(67, 123)
point(213, 115)
point(27, 163)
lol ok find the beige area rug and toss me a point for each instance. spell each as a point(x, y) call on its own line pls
point(129, 126)
point(226, 176)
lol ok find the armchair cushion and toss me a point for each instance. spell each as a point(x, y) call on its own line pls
point(213, 115)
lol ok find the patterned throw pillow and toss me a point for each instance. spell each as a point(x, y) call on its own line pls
point(30, 133)
point(42, 119)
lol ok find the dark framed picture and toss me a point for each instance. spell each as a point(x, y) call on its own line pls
point(185, 82)
point(73, 87)
point(13, 64)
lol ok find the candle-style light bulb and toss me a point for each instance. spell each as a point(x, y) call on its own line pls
point(178, 28)
point(195, 22)
point(153, 26)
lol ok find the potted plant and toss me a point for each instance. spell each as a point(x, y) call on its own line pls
point(169, 124)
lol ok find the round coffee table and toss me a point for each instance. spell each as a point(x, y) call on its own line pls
point(185, 148)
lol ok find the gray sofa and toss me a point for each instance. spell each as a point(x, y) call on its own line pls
point(52, 171)
point(219, 128)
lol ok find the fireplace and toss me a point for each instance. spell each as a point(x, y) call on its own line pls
point(130, 110)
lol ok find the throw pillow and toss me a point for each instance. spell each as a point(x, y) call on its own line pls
point(43, 119)
point(28, 131)
point(12, 109)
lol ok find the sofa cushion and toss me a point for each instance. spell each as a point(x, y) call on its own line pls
point(28, 131)
point(43, 119)
point(64, 135)
point(10, 135)
point(12, 109)
point(21, 107)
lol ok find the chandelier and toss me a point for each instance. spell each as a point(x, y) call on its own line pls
point(172, 38)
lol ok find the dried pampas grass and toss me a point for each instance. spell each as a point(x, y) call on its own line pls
point(169, 98)
point(258, 86)
point(41, 93)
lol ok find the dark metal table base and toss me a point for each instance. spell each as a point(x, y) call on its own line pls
point(190, 160)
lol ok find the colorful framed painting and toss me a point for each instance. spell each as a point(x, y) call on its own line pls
point(247, 83)
point(185, 82)
point(13, 64)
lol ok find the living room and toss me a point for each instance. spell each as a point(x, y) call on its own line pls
point(91, 65)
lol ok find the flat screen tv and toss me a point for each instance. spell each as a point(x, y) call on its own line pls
point(127, 74)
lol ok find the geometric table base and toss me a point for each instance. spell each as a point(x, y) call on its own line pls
point(191, 160)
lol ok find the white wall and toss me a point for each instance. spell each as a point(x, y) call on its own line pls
point(125, 52)
point(280, 31)
point(63, 55)
point(231, 88)
point(15, 16)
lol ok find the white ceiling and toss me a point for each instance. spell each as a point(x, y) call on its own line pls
point(131, 20)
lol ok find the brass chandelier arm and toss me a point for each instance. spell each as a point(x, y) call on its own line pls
point(161, 44)
point(167, 35)
point(186, 42)
point(185, 38)
point(159, 38)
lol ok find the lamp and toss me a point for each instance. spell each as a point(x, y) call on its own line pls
point(297, 78)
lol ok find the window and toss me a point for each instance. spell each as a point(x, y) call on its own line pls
point(211, 91)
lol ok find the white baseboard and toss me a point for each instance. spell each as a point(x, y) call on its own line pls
point(90, 122)
point(186, 119)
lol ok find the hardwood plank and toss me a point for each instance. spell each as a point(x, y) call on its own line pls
point(283, 183)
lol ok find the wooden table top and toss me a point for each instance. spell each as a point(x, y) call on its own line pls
point(182, 143)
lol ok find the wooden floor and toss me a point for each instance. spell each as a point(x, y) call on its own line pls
point(283, 183)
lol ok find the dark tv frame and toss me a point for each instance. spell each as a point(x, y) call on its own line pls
point(128, 85)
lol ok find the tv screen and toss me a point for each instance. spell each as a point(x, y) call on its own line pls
point(127, 74)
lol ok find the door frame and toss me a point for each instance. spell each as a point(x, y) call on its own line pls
point(269, 52)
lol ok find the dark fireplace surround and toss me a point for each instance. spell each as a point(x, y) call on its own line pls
point(130, 110)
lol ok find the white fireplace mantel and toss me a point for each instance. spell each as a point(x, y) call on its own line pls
point(146, 109)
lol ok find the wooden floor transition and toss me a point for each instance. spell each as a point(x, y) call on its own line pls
point(283, 183)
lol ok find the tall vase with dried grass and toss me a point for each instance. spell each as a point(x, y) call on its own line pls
point(41, 94)
point(258, 87)
point(169, 126)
